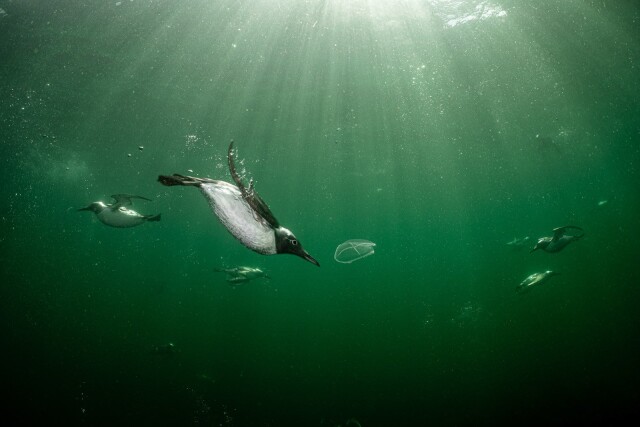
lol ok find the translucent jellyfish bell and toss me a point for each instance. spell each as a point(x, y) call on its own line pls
point(353, 250)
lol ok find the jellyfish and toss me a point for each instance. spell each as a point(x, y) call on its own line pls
point(353, 250)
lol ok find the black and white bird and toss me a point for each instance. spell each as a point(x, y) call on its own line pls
point(559, 240)
point(243, 212)
point(118, 214)
point(243, 274)
point(534, 280)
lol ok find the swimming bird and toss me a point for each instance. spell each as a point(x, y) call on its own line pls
point(117, 214)
point(533, 280)
point(243, 212)
point(239, 275)
point(559, 240)
point(518, 243)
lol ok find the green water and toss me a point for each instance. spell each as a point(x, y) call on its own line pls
point(440, 130)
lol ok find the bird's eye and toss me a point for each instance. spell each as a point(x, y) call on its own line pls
point(294, 242)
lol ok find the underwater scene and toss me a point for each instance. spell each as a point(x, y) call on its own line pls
point(321, 213)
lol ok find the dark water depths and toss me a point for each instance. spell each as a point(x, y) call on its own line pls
point(440, 130)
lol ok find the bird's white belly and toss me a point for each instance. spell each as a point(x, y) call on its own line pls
point(121, 217)
point(238, 217)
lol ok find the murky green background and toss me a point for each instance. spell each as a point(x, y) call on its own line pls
point(438, 129)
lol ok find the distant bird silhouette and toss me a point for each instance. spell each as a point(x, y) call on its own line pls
point(117, 214)
point(559, 240)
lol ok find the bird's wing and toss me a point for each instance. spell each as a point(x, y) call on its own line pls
point(250, 195)
point(125, 200)
point(559, 232)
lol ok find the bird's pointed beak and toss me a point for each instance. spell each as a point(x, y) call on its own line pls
point(311, 259)
point(88, 208)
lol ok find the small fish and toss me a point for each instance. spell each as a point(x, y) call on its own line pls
point(602, 202)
